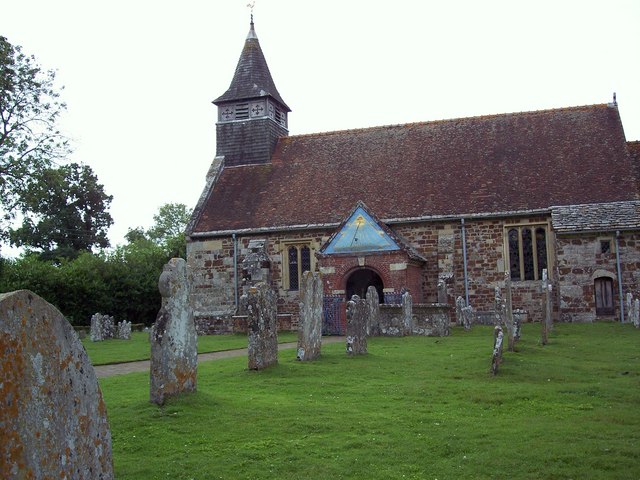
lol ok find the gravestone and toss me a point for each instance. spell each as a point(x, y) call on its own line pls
point(260, 304)
point(467, 317)
point(373, 306)
point(102, 327)
point(508, 313)
point(311, 310)
point(442, 291)
point(636, 313)
point(629, 307)
point(496, 358)
point(174, 342)
point(357, 320)
point(407, 313)
point(518, 320)
point(124, 330)
point(53, 420)
point(459, 306)
point(547, 321)
point(499, 308)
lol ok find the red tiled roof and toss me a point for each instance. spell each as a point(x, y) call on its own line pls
point(508, 162)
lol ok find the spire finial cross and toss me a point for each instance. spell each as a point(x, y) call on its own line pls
point(251, 5)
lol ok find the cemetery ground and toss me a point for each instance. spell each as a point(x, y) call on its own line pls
point(117, 351)
point(413, 407)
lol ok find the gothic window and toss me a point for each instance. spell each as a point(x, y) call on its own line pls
point(527, 251)
point(298, 261)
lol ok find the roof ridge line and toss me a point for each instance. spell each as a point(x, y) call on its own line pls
point(447, 120)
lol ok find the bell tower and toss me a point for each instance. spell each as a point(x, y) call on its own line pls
point(251, 113)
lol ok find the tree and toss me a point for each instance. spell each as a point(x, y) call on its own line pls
point(65, 212)
point(167, 231)
point(29, 110)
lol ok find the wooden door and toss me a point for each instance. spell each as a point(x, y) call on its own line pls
point(603, 288)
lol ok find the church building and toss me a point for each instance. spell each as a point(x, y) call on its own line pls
point(442, 209)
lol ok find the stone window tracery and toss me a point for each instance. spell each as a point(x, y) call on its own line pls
point(527, 251)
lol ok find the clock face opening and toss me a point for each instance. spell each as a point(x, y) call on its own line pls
point(360, 280)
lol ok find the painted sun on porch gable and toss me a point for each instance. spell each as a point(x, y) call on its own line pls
point(360, 233)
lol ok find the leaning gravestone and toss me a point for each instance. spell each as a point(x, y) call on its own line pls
point(174, 342)
point(357, 320)
point(53, 420)
point(311, 308)
point(260, 304)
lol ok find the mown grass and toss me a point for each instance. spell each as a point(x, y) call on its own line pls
point(415, 407)
point(138, 348)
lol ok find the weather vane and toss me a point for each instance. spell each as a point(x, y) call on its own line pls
point(251, 5)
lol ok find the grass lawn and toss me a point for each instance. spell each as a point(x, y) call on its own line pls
point(138, 348)
point(415, 407)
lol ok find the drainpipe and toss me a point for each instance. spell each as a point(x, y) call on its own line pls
point(235, 269)
point(619, 276)
point(464, 262)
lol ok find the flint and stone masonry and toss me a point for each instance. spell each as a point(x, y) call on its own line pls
point(311, 310)
point(260, 304)
point(174, 342)
point(53, 420)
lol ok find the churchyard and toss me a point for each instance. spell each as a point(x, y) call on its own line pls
point(413, 407)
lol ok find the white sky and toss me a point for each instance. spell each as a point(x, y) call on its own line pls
point(140, 75)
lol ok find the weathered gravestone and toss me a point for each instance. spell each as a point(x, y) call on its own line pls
point(443, 297)
point(636, 313)
point(496, 358)
point(260, 304)
point(373, 307)
point(547, 321)
point(102, 327)
point(509, 319)
point(357, 320)
point(407, 313)
point(311, 309)
point(467, 317)
point(53, 421)
point(174, 342)
point(124, 330)
point(459, 306)
point(629, 307)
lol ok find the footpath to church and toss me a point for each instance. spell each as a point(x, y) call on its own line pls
point(144, 365)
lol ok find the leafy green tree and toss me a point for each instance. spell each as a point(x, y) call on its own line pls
point(65, 212)
point(167, 231)
point(29, 138)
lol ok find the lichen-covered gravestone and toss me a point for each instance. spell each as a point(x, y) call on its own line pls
point(357, 319)
point(260, 304)
point(102, 327)
point(174, 342)
point(459, 306)
point(53, 421)
point(407, 313)
point(124, 330)
point(373, 306)
point(311, 308)
point(467, 317)
point(496, 358)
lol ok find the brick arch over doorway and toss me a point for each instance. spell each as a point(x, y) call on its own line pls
point(359, 280)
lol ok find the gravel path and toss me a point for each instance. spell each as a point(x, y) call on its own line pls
point(144, 365)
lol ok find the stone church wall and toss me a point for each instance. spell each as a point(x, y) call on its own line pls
point(573, 262)
point(581, 260)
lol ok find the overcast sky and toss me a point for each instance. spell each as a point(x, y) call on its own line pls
point(140, 75)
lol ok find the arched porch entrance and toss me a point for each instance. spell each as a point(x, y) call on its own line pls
point(360, 280)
